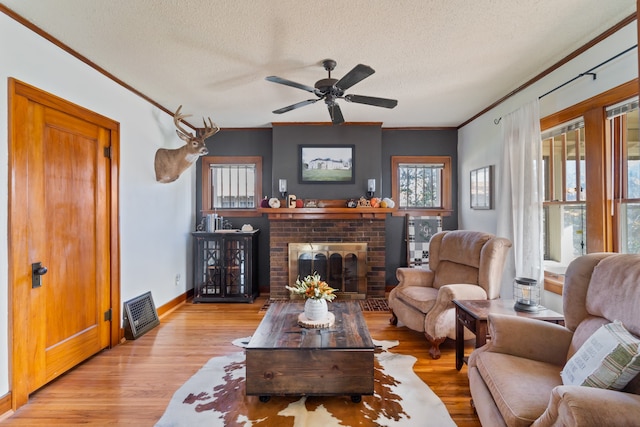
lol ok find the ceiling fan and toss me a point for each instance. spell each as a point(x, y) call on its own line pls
point(331, 90)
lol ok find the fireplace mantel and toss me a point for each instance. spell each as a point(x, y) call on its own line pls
point(326, 213)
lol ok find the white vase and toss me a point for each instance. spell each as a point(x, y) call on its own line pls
point(316, 309)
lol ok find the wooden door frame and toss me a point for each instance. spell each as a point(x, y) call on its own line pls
point(19, 390)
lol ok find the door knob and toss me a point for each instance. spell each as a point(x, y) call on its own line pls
point(37, 270)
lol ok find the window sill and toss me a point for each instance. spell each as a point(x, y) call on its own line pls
point(553, 282)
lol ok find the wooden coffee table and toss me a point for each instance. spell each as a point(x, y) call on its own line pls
point(473, 314)
point(284, 358)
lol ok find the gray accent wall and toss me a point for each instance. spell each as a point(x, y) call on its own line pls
point(408, 142)
point(286, 163)
point(374, 146)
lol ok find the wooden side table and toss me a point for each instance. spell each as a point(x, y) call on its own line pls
point(473, 315)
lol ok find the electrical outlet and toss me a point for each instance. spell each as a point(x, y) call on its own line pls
point(178, 279)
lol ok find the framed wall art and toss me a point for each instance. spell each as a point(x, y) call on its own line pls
point(481, 188)
point(326, 164)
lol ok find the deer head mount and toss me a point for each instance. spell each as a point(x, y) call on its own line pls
point(170, 163)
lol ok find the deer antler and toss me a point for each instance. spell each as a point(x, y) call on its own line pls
point(209, 130)
point(177, 118)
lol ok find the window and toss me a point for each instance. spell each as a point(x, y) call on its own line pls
point(564, 186)
point(421, 184)
point(625, 147)
point(231, 184)
point(607, 219)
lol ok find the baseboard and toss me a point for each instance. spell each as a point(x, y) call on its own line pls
point(174, 303)
point(5, 406)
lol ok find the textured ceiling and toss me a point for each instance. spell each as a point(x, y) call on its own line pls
point(444, 61)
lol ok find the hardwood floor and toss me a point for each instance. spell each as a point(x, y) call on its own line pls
point(132, 383)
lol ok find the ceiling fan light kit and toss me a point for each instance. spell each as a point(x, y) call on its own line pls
point(330, 90)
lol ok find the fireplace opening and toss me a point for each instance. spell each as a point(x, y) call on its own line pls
point(342, 265)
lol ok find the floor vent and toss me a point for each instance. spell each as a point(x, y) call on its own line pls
point(140, 316)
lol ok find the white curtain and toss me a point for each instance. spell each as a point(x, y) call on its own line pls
point(519, 201)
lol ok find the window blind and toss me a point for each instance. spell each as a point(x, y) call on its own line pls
point(563, 128)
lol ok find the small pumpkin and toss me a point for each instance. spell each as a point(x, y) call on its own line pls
point(274, 202)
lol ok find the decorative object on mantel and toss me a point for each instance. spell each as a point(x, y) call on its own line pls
point(274, 202)
point(364, 203)
point(264, 203)
point(170, 163)
point(291, 201)
point(316, 292)
point(351, 203)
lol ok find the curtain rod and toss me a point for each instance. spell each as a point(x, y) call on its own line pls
point(586, 73)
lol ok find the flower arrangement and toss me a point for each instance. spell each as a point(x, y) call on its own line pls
point(312, 287)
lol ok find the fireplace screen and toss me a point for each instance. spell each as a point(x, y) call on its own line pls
point(342, 265)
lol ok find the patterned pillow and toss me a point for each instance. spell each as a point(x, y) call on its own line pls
point(608, 359)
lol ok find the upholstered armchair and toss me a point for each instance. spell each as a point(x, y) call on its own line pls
point(581, 374)
point(462, 265)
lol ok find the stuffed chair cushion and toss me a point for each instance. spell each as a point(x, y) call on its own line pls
point(608, 359)
point(520, 387)
point(419, 297)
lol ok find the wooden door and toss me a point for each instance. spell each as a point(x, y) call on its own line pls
point(60, 219)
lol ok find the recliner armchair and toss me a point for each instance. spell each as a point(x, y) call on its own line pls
point(462, 265)
point(515, 379)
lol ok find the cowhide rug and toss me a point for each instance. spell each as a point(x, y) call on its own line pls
point(215, 396)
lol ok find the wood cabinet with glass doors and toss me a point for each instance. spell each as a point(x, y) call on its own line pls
point(225, 266)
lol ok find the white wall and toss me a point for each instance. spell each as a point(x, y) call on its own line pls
point(479, 141)
point(155, 219)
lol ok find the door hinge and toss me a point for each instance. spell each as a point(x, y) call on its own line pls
point(107, 315)
point(107, 152)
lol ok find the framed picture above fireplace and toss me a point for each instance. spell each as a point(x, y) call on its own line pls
point(326, 164)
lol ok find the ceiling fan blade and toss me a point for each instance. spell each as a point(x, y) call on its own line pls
point(357, 74)
point(371, 100)
point(335, 113)
point(294, 106)
point(276, 79)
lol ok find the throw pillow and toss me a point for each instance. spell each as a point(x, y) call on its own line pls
point(608, 359)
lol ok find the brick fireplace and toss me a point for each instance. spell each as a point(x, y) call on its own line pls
point(299, 230)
